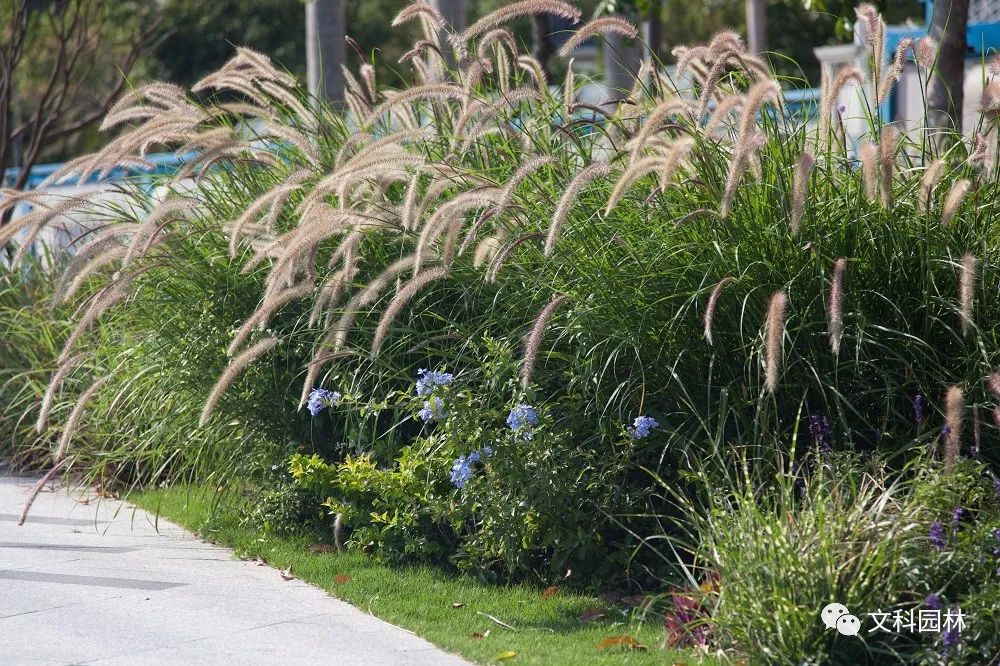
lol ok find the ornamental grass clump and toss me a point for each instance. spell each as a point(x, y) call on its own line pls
point(763, 557)
point(665, 254)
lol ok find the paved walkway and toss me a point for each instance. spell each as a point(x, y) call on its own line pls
point(104, 583)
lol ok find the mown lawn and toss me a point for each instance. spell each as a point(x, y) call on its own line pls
point(483, 623)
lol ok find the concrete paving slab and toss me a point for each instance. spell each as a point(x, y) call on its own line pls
point(101, 582)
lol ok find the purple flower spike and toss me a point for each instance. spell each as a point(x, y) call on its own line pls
point(956, 517)
point(821, 432)
point(937, 535)
point(918, 409)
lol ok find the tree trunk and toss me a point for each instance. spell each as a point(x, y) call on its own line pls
point(325, 49)
point(945, 96)
point(453, 12)
point(652, 29)
point(455, 15)
point(756, 26)
point(541, 41)
point(621, 65)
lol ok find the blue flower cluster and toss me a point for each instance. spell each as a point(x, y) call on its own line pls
point(642, 426)
point(428, 380)
point(461, 469)
point(521, 418)
point(320, 399)
point(433, 410)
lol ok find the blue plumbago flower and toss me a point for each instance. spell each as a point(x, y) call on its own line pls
point(642, 426)
point(996, 537)
point(933, 601)
point(461, 471)
point(996, 488)
point(956, 517)
point(428, 380)
point(319, 399)
point(488, 451)
point(918, 409)
point(475, 456)
point(433, 410)
point(521, 418)
point(822, 433)
point(937, 535)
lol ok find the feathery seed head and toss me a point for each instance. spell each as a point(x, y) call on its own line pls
point(586, 175)
point(835, 314)
point(967, 288)
point(775, 331)
point(713, 303)
point(956, 195)
point(516, 10)
point(231, 372)
point(993, 381)
point(929, 181)
point(73, 422)
point(954, 407)
point(605, 24)
point(868, 153)
point(888, 142)
point(399, 301)
point(925, 52)
point(534, 339)
point(800, 184)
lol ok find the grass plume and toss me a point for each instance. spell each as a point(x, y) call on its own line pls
point(534, 339)
point(774, 333)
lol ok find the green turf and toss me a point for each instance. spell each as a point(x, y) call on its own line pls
point(456, 613)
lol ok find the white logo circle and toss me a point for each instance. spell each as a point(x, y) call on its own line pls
point(832, 612)
point(849, 625)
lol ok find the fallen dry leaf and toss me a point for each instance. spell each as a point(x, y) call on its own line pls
point(477, 635)
point(457, 604)
point(550, 592)
point(340, 579)
point(497, 620)
point(260, 561)
point(590, 615)
point(626, 642)
point(504, 656)
point(635, 600)
point(320, 548)
point(286, 574)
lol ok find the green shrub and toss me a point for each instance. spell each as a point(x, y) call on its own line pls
point(494, 500)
